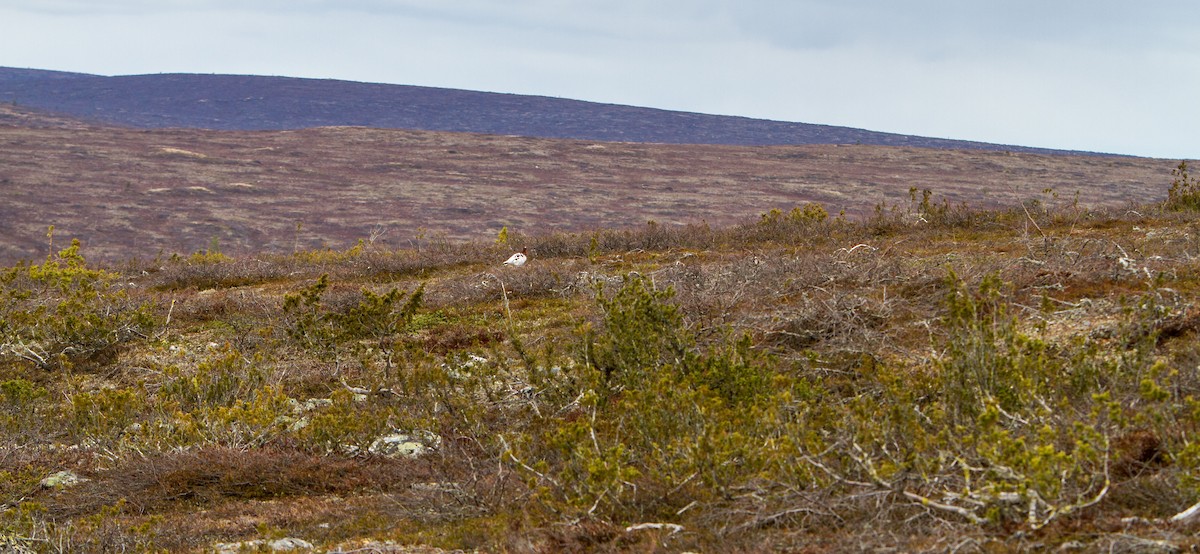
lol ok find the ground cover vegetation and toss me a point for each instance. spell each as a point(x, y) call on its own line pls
point(932, 377)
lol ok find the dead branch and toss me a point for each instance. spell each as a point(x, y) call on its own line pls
point(1186, 515)
point(672, 527)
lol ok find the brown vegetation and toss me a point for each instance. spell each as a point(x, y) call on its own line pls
point(929, 377)
point(129, 193)
point(879, 319)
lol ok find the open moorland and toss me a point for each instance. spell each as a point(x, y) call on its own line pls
point(928, 379)
point(129, 193)
point(259, 343)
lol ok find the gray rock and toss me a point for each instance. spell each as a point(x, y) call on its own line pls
point(405, 445)
point(289, 543)
point(309, 405)
point(62, 480)
point(278, 545)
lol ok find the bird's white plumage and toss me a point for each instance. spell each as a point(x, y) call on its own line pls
point(518, 259)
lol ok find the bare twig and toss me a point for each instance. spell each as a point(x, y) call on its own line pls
point(924, 501)
point(1034, 222)
point(504, 293)
point(26, 352)
point(866, 464)
point(672, 527)
point(1187, 514)
point(513, 457)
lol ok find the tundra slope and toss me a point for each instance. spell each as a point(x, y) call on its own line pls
point(133, 193)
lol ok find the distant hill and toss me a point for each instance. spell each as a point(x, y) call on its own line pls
point(240, 102)
point(15, 75)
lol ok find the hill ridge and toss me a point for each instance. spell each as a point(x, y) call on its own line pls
point(255, 102)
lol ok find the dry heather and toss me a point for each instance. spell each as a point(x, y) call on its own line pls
point(129, 193)
point(929, 379)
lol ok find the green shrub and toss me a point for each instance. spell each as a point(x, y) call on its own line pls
point(23, 408)
point(105, 414)
point(225, 400)
point(61, 313)
point(348, 425)
point(222, 380)
point(1184, 194)
point(1002, 427)
point(986, 359)
point(812, 213)
point(649, 424)
point(18, 394)
point(797, 225)
point(317, 326)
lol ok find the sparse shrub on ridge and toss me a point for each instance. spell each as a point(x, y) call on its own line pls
point(1184, 194)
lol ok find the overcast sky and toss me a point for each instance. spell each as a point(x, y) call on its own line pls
point(1101, 75)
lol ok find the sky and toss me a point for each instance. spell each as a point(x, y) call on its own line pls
point(1102, 75)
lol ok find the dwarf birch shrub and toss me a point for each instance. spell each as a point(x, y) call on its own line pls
point(650, 424)
point(62, 313)
point(807, 216)
point(998, 426)
point(311, 323)
point(225, 400)
point(1023, 452)
point(1184, 194)
point(23, 409)
point(799, 225)
point(221, 380)
point(1010, 429)
point(349, 424)
point(105, 414)
point(985, 359)
point(248, 423)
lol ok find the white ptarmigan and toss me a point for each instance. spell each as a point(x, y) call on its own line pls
point(518, 259)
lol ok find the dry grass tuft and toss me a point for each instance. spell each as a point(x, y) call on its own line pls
point(211, 475)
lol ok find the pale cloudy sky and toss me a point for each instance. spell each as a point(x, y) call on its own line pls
point(1101, 75)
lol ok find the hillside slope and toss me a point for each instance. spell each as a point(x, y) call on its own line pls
point(127, 192)
point(243, 102)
